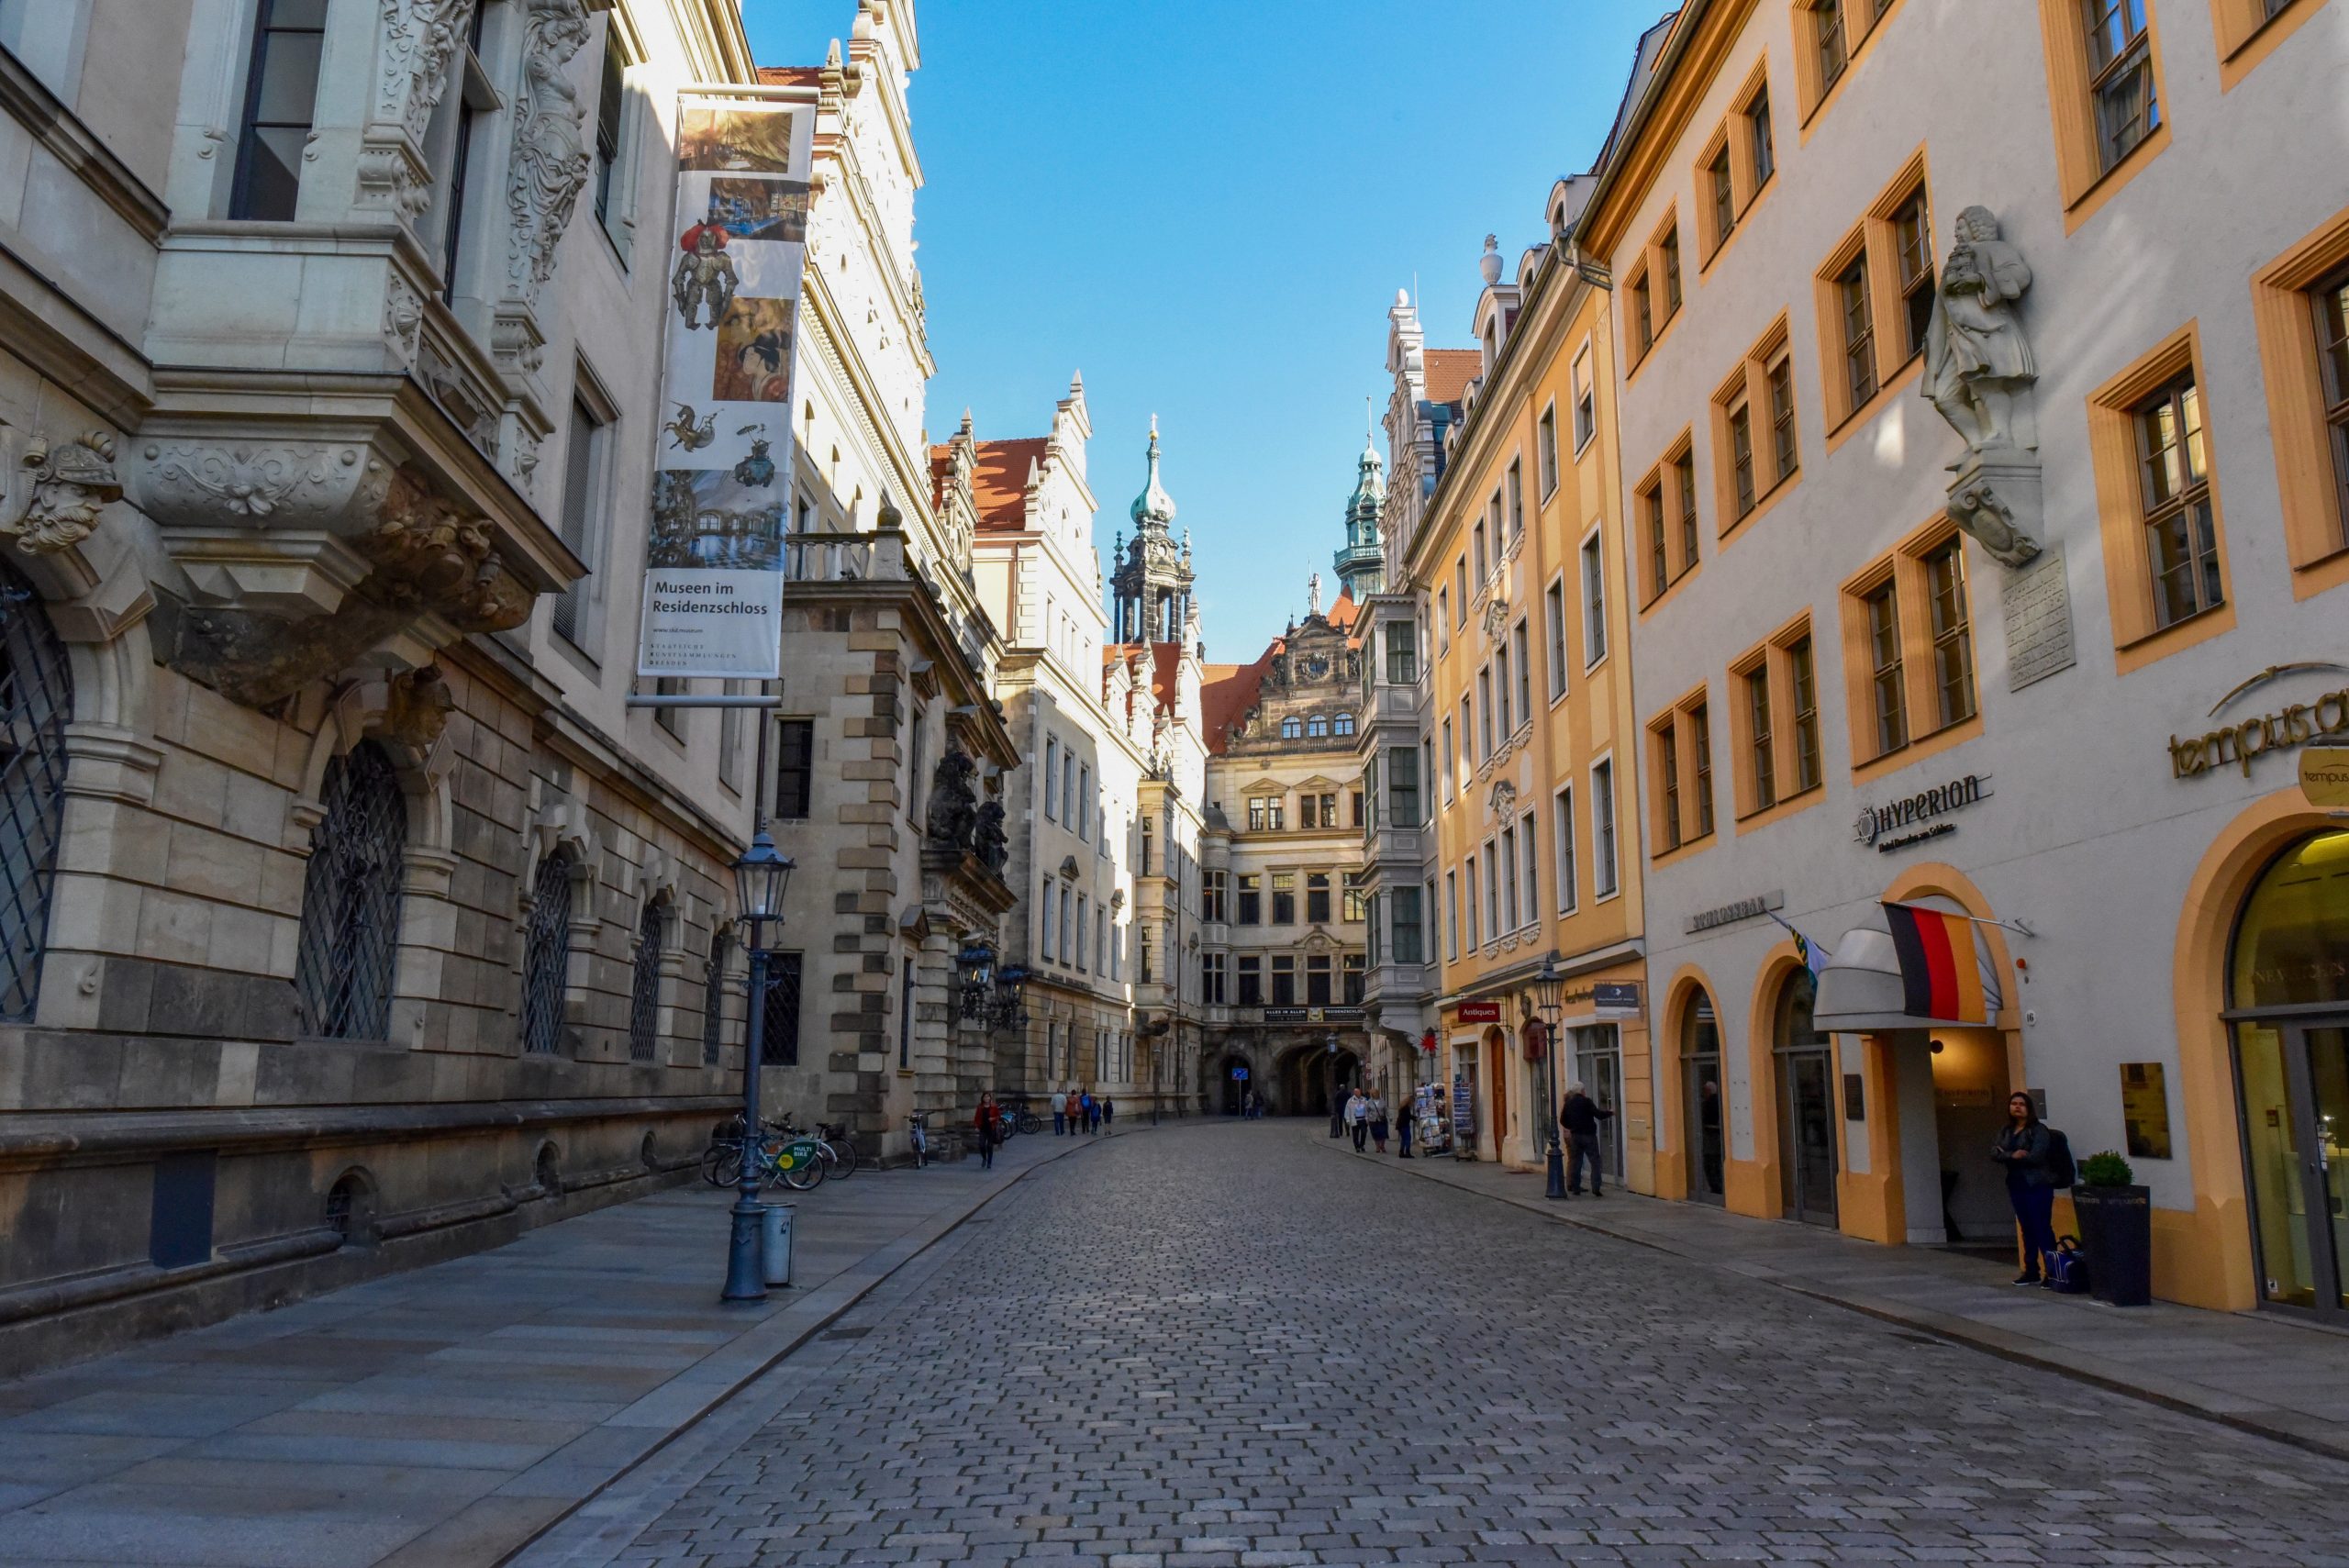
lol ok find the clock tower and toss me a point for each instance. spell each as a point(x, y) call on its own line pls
point(1151, 580)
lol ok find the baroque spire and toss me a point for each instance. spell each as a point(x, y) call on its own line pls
point(1154, 509)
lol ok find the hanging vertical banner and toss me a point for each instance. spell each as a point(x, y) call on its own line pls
point(721, 480)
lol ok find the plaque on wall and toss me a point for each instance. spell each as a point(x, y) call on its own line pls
point(2145, 1109)
point(2039, 620)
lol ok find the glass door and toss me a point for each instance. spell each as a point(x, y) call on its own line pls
point(1806, 1135)
point(2295, 1087)
point(1598, 1064)
point(1705, 1114)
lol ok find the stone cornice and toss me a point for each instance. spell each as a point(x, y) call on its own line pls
point(57, 128)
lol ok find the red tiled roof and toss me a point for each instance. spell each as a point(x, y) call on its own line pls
point(789, 75)
point(1450, 370)
point(1166, 665)
point(998, 479)
point(1227, 693)
point(1343, 614)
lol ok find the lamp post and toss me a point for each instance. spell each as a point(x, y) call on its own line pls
point(1549, 990)
point(1330, 1088)
point(760, 877)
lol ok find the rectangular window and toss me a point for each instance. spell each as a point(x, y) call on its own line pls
point(1519, 638)
point(611, 106)
point(1403, 928)
point(779, 1028)
point(1501, 695)
point(1859, 330)
point(1516, 500)
point(1586, 402)
point(2330, 302)
point(1448, 754)
point(1068, 928)
point(1317, 980)
point(1284, 898)
point(1317, 897)
point(1284, 979)
point(1602, 827)
point(1084, 918)
point(1887, 693)
point(1782, 418)
point(1403, 786)
point(2181, 538)
point(1485, 710)
point(1460, 593)
point(1084, 801)
point(1554, 610)
point(1505, 873)
point(1593, 603)
point(1740, 454)
point(1484, 550)
point(1528, 844)
point(1351, 900)
point(1723, 193)
point(1492, 874)
point(280, 99)
point(1100, 940)
point(1211, 974)
point(1759, 736)
point(1402, 653)
point(1953, 632)
point(1452, 915)
point(1671, 256)
point(1474, 941)
point(1758, 136)
point(1250, 900)
point(1068, 792)
point(795, 767)
point(1642, 314)
point(2120, 76)
point(1667, 775)
point(1354, 976)
point(1211, 895)
point(585, 456)
point(1252, 981)
point(1444, 614)
point(1052, 775)
point(1426, 771)
point(1804, 683)
point(1562, 819)
point(1829, 48)
point(1548, 449)
point(1659, 555)
point(1467, 742)
point(1684, 485)
point(1700, 740)
point(1913, 245)
point(1044, 918)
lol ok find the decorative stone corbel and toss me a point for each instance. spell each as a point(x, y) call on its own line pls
point(64, 489)
point(1998, 506)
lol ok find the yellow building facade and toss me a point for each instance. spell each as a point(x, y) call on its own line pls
point(1518, 560)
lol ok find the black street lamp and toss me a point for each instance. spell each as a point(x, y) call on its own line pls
point(1330, 1088)
point(1547, 996)
point(761, 878)
point(975, 967)
point(1006, 1012)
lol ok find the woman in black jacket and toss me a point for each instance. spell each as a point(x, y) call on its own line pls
point(2022, 1150)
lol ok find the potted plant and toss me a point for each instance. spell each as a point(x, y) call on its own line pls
point(2116, 1229)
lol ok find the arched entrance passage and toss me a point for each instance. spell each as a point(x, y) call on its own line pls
point(1235, 1076)
point(1703, 1114)
point(1804, 1063)
point(2287, 994)
point(1309, 1077)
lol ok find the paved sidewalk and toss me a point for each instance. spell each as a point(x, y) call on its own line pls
point(441, 1418)
point(2248, 1370)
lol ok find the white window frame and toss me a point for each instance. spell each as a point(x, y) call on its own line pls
point(1584, 388)
point(1593, 555)
point(1607, 835)
point(1553, 614)
point(1562, 869)
point(1545, 462)
point(1529, 845)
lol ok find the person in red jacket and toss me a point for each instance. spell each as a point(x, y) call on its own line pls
point(989, 1125)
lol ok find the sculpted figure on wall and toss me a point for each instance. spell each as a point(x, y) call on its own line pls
point(63, 489)
point(1978, 368)
point(551, 160)
point(994, 844)
point(954, 814)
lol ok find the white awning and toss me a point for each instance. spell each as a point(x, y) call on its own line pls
point(1861, 989)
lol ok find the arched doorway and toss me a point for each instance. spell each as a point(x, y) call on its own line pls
point(1804, 1061)
point(1237, 1078)
point(1703, 1114)
point(1496, 1081)
point(1311, 1075)
point(2287, 993)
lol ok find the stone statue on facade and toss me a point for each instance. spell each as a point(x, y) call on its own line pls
point(65, 486)
point(1978, 367)
point(954, 816)
point(994, 846)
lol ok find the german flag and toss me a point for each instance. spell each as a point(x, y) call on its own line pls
point(1941, 974)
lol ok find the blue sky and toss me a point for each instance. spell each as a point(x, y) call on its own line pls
point(1208, 208)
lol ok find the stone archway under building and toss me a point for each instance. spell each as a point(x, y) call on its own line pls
point(1234, 1077)
point(1306, 1074)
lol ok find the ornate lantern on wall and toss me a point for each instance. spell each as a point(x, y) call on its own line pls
point(975, 967)
point(1004, 1011)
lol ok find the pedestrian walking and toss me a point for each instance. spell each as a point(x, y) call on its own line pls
point(988, 1123)
point(1092, 1109)
point(1578, 1116)
point(1377, 1123)
point(1357, 1118)
point(1402, 1128)
point(1109, 1112)
point(2025, 1150)
point(1060, 1113)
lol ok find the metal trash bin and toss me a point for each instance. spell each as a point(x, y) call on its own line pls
point(776, 1252)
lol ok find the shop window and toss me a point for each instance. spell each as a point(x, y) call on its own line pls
point(349, 942)
point(2290, 942)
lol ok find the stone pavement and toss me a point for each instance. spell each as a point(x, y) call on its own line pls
point(1220, 1346)
point(442, 1416)
point(2279, 1378)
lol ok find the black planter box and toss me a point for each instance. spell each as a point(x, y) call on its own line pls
point(2117, 1233)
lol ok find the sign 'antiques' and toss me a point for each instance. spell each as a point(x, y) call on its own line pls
point(1480, 1012)
point(2295, 724)
point(1881, 827)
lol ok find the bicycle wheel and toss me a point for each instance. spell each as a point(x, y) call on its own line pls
point(1031, 1122)
point(722, 1164)
point(844, 1153)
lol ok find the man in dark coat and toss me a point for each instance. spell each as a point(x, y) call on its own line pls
point(1580, 1114)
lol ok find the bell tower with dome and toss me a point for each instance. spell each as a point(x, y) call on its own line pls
point(1362, 562)
point(1152, 582)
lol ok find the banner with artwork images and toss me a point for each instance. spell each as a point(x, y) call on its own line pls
point(721, 481)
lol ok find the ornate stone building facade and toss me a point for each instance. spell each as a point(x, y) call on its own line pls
point(353, 918)
point(1283, 954)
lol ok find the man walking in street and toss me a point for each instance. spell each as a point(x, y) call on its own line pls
point(1579, 1115)
point(1108, 1113)
point(1358, 1119)
point(1060, 1114)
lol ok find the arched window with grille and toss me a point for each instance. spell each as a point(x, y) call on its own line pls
point(644, 991)
point(546, 953)
point(713, 997)
point(35, 700)
point(350, 899)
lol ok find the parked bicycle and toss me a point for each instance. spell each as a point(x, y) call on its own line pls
point(830, 1154)
point(918, 1125)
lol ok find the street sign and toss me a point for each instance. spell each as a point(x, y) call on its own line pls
point(1616, 999)
point(1240, 1073)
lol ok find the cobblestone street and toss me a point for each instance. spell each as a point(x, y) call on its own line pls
point(1216, 1345)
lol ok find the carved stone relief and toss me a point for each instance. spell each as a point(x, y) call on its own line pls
point(60, 490)
point(416, 42)
point(289, 485)
point(403, 317)
point(551, 157)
